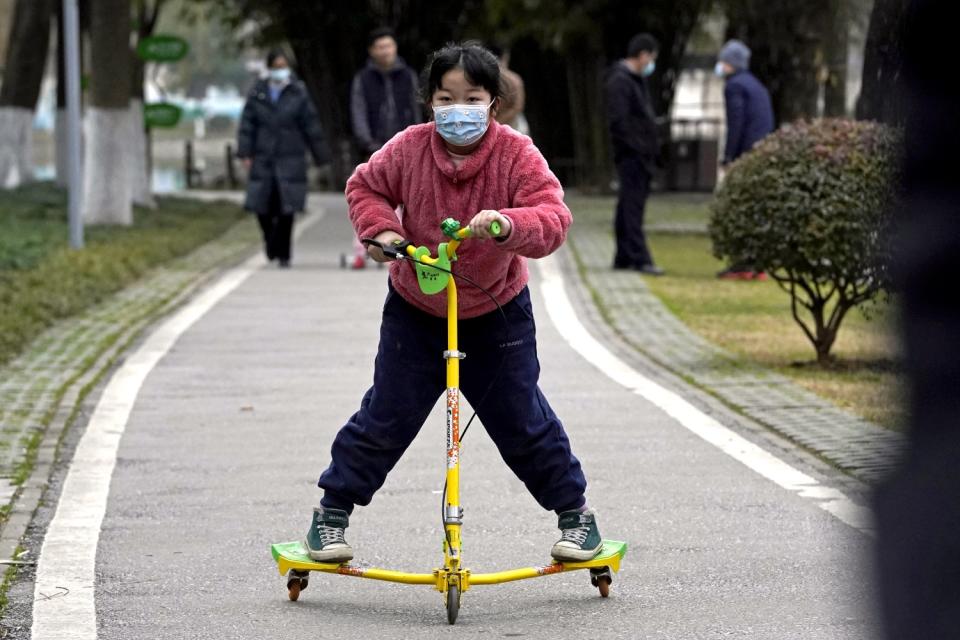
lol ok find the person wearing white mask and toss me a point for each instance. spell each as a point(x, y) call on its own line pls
point(749, 119)
point(278, 126)
point(636, 146)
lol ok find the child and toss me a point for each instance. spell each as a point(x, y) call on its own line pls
point(463, 165)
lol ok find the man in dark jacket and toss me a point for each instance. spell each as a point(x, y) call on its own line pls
point(635, 149)
point(383, 96)
point(383, 102)
point(749, 120)
point(278, 126)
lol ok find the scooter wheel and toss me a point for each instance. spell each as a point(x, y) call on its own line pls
point(601, 579)
point(453, 603)
point(603, 585)
point(296, 582)
point(293, 590)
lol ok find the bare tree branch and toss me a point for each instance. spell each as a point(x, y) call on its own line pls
point(796, 315)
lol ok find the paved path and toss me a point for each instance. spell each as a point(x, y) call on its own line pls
point(42, 387)
point(858, 446)
point(232, 427)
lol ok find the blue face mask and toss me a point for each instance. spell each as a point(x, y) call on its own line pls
point(462, 124)
point(648, 69)
point(719, 70)
point(279, 76)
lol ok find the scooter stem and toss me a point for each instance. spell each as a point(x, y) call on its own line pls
point(452, 512)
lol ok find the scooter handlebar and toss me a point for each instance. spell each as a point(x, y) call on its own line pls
point(403, 248)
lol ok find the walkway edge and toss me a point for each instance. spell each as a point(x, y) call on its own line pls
point(565, 319)
point(64, 589)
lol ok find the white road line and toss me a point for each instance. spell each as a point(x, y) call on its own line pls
point(564, 317)
point(63, 599)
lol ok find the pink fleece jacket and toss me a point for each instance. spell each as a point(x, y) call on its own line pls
point(410, 185)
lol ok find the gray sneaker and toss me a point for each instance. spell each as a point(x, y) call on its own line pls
point(580, 539)
point(324, 541)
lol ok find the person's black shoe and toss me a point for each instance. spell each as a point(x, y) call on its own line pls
point(284, 264)
point(650, 270)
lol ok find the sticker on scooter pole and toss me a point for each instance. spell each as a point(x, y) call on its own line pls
point(453, 427)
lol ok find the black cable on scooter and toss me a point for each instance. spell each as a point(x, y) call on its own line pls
point(493, 381)
point(402, 256)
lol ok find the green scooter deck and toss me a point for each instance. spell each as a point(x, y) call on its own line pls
point(292, 555)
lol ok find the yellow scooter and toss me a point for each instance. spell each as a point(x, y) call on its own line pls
point(452, 579)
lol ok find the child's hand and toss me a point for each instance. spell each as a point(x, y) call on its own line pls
point(480, 225)
point(384, 238)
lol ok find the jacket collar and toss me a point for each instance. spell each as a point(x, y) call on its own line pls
point(474, 162)
point(398, 64)
point(262, 88)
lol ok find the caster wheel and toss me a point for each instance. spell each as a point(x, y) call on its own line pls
point(601, 579)
point(343, 261)
point(453, 603)
point(603, 585)
point(296, 582)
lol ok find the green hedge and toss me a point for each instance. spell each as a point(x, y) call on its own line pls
point(42, 280)
point(812, 206)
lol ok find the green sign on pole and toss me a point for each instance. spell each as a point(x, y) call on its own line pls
point(163, 48)
point(162, 114)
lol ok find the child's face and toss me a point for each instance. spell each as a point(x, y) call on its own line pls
point(456, 89)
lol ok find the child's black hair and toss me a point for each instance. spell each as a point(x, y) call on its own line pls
point(479, 65)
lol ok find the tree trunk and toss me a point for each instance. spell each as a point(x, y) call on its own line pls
point(835, 50)
point(107, 177)
point(784, 36)
point(140, 182)
point(590, 137)
point(880, 94)
point(141, 192)
point(23, 75)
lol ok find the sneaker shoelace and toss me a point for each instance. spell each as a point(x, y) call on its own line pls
point(330, 535)
point(577, 535)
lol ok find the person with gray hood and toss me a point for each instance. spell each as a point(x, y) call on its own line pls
point(748, 106)
point(749, 120)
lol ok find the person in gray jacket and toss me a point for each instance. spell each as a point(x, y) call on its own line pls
point(383, 96)
point(383, 102)
point(277, 127)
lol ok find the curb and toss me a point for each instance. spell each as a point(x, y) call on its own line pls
point(68, 407)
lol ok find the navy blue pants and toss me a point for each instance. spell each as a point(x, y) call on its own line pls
point(410, 375)
point(632, 248)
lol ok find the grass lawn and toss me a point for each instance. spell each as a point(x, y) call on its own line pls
point(43, 280)
point(753, 320)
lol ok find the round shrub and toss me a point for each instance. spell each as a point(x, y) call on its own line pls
point(812, 206)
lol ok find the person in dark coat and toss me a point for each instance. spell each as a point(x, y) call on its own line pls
point(278, 126)
point(383, 102)
point(749, 120)
point(633, 131)
point(747, 101)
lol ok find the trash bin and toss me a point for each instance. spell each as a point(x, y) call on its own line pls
point(693, 165)
point(693, 156)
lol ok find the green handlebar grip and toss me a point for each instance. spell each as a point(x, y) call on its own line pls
point(495, 228)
